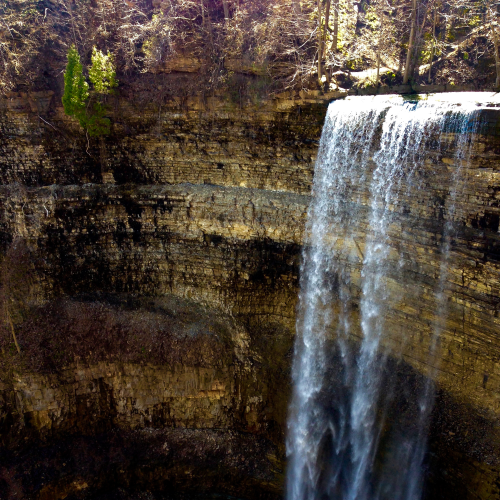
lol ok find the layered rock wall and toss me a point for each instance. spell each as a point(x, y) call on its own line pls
point(234, 248)
point(207, 199)
point(130, 396)
point(270, 145)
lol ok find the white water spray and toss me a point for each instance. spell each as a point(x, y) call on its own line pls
point(372, 151)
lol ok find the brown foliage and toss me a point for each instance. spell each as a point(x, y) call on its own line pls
point(276, 41)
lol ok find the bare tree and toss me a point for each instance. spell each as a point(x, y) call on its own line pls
point(411, 42)
point(335, 40)
point(381, 31)
point(434, 22)
point(379, 46)
point(320, 44)
point(492, 16)
point(295, 43)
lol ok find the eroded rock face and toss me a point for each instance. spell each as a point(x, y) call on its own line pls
point(229, 247)
point(209, 203)
point(129, 395)
point(269, 145)
point(177, 423)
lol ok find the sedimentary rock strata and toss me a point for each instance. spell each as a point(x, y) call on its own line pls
point(207, 200)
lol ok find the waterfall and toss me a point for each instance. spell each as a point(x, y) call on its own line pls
point(347, 437)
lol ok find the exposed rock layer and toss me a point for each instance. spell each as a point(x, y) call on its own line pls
point(231, 247)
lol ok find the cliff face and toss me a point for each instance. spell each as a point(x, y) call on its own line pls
point(206, 200)
point(236, 248)
point(212, 140)
point(184, 412)
point(140, 427)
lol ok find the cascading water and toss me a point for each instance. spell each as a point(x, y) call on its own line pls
point(347, 439)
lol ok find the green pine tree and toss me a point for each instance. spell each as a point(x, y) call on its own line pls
point(102, 75)
point(76, 88)
point(90, 114)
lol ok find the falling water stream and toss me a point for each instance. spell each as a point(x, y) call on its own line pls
point(347, 437)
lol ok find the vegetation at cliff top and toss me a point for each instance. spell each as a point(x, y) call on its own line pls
point(76, 88)
point(291, 44)
point(102, 75)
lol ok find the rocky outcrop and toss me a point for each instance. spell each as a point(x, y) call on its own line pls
point(129, 396)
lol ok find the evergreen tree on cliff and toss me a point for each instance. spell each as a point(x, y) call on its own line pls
point(76, 88)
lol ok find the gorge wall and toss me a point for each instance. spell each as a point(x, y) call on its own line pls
point(206, 200)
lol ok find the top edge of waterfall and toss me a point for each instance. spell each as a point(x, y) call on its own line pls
point(477, 100)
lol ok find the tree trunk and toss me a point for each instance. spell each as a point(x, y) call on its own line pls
point(377, 81)
point(202, 12)
point(327, 21)
point(225, 5)
point(356, 24)
point(418, 40)
point(379, 44)
point(320, 44)
point(409, 55)
point(325, 34)
point(433, 44)
point(495, 44)
point(335, 41)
